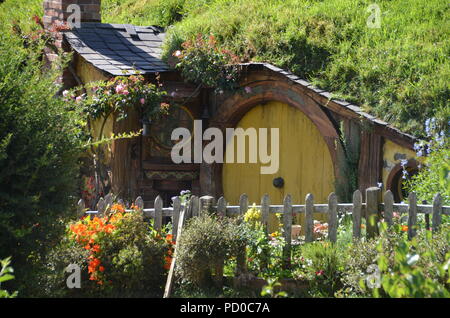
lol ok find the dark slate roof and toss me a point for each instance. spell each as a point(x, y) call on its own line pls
point(119, 49)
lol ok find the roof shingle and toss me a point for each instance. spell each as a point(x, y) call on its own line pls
point(119, 49)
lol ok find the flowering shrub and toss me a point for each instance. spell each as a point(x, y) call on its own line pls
point(320, 230)
point(120, 255)
point(89, 233)
point(264, 252)
point(201, 61)
point(119, 95)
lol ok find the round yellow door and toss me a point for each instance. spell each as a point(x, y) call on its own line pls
point(305, 163)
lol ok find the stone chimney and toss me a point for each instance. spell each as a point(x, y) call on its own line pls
point(57, 10)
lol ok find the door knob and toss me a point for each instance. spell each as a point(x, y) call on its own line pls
point(278, 182)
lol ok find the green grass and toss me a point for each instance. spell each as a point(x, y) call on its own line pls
point(399, 72)
point(20, 11)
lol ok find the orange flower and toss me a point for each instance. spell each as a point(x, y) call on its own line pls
point(168, 261)
point(96, 248)
point(404, 228)
point(109, 228)
point(117, 208)
point(101, 269)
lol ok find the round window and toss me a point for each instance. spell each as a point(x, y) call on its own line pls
point(398, 178)
point(161, 130)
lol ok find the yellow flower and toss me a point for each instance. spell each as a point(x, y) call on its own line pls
point(252, 215)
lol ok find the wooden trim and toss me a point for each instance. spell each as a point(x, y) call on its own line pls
point(170, 167)
point(370, 160)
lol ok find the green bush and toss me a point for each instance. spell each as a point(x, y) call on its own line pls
point(40, 142)
point(323, 267)
point(5, 275)
point(413, 270)
point(390, 260)
point(434, 175)
point(205, 240)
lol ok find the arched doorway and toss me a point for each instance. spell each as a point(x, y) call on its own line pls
point(305, 163)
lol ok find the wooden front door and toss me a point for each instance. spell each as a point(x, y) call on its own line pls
point(305, 161)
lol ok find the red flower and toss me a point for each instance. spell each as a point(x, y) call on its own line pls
point(319, 273)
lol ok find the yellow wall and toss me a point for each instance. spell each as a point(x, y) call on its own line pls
point(87, 74)
point(305, 161)
point(390, 151)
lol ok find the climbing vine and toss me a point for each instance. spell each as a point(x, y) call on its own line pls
point(98, 101)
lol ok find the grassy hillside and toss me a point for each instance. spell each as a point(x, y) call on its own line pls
point(399, 72)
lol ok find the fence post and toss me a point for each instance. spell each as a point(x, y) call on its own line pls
point(241, 263)
point(265, 207)
point(287, 227)
point(221, 207)
point(170, 276)
point(109, 200)
point(218, 268)
point(437, 212)
point(372, 206)
point(80, 207)
point(188, 208)
point(412, 215)
point(195, 205)
point(332, 217)
point(388, 207)
point(101, 207)
point(158, 213)
point(176, 216)
point(139, 202)
point(309, 220)
point(206, 204)
point(356, 214)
